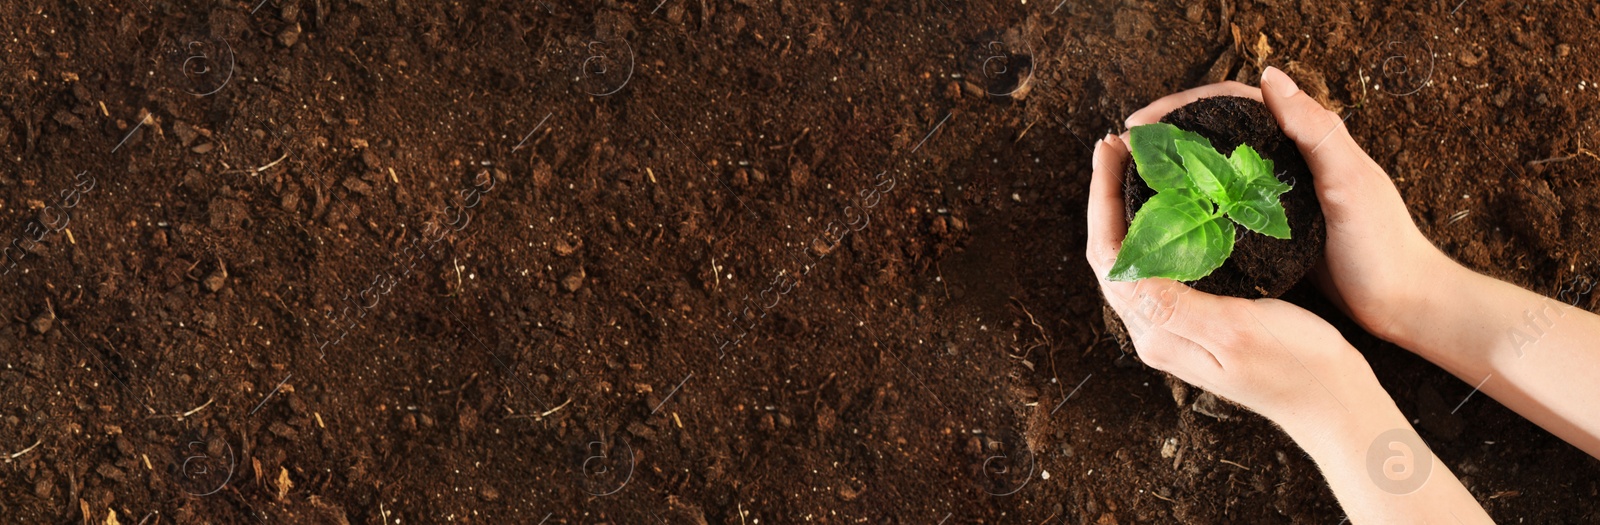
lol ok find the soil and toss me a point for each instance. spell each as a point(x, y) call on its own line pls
point(1260, 266)
point(368, 261)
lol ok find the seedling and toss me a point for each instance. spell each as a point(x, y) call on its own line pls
point(1186, 230)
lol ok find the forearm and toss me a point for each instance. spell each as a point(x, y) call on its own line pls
point(1533, 354)
point(1380, 470)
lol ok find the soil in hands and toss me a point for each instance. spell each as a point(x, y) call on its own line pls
point(1260, 266)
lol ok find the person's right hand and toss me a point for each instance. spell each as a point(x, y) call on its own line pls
point(1377, 264)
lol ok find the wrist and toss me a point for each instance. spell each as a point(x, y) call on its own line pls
point(1435, 284)
point(1380, 469)
point(1346, 430)
point(1345, 398)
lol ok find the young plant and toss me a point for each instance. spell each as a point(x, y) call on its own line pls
point(1186, 230)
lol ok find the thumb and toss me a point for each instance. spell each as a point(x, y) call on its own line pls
point(1343, 170)
point(1321, 135)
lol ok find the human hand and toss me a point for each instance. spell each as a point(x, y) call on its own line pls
point(1268, 355)
point(1376, 263)
point(1278, 359)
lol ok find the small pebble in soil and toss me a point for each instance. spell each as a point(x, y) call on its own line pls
point(289, 36)
point(110, 472)
point(574, 280)
point(43, 322)
point(185, 133)
point(821, 247)
point(1180, 392)
point(641, 431)
point(1208, 404)
point(356, 185)
point(216, 280)
point(278, 428)
point(564, 248)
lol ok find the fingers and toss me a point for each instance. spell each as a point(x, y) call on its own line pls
point(1348, 183)
point(1175, 328)
point(1175, 355)
point(1323, 139)
point(1153, 112)
point(1161, 326)
point(1107, 221)
point(1319, 133)
point(1151, 305)
point(1211, 321)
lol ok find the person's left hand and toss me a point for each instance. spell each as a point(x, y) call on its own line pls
point(1270, 356)
point(1274, 358)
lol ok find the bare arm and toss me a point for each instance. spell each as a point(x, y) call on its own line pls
point(1379, 468)
point(1531, 353)
point(1284, 363)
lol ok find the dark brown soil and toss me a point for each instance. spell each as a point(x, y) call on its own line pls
point(1260, 266)
point(293, 264)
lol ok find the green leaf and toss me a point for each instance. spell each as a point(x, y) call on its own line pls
point(1256, 192)
point(1157, 157)
point(1261, 212)
point(1252, 169)
point(1186, 230)
point(1209, 170)
point(1174, 235)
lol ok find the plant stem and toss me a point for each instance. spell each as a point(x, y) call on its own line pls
point(1221, 211)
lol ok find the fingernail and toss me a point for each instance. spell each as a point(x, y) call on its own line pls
point(1279, 81)
point(1110, 139)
